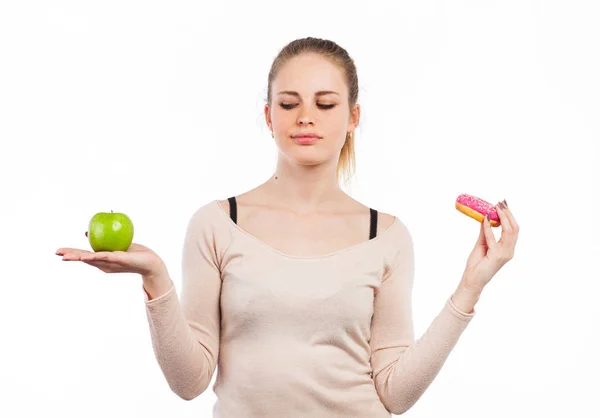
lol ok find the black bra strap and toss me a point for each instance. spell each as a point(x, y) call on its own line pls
point(372, 226)
point(373, 230)
point(233, 209)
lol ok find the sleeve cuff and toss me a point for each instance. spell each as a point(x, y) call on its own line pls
point(458, 313)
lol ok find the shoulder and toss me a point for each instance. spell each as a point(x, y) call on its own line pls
point(206, 216)
point(207, 210)
point(385, 221)
point(396, 234)
point(224, 204)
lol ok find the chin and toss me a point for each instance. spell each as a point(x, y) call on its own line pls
point(308, 159)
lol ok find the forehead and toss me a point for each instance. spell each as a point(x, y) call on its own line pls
point(308, 73)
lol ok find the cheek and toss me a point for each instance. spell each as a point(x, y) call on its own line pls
point(336, 123)
point(281, 119)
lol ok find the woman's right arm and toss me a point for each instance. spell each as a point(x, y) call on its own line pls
point(185, 331)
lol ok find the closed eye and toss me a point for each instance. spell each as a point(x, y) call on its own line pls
point(321, 106)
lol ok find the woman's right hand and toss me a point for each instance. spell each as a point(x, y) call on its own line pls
point(137, 259)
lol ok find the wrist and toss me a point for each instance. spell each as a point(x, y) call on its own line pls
point(156, 283)
point(465, 298)
point(156, 275)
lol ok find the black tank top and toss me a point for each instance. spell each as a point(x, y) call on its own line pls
point(372, 226)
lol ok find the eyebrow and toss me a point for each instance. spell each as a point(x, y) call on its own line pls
point(318, 94)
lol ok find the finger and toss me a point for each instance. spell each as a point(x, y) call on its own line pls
point(66, 250)
point(511, 219)
point(73, 256)
point(504, 221)
point(99, 256)
point(79, 256)
point(489, 235)
point(510, 235)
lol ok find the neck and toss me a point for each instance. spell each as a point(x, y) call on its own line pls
point(305, 189)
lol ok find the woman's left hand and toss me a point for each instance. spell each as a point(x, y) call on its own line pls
point(489, 256)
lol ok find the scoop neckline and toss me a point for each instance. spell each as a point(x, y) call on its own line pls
point(270, 248)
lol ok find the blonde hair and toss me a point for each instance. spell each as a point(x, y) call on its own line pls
point(339, 56)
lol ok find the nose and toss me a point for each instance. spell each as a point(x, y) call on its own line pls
point(304, 118)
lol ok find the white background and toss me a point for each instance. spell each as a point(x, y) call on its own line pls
point(155, 108)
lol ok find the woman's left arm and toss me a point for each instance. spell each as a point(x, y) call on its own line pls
point(403, 368)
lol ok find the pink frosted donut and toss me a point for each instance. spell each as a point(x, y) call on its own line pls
point(477, 208)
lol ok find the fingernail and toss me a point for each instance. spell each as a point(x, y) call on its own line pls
point(488, 216)
point(505, 204)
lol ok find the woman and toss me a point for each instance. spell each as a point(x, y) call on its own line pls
point(301, 294)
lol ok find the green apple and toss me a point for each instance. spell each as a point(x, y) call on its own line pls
point(110, 232)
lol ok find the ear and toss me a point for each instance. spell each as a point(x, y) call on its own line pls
point(354, 118)
point(267, 111)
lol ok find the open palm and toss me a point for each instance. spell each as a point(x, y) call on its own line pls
point(137, 259)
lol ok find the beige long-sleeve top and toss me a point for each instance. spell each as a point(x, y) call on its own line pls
point(328, 336)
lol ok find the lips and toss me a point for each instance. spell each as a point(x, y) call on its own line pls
point(306, 135)
point(305, 138)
